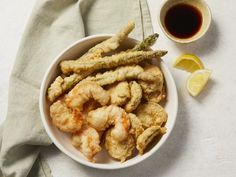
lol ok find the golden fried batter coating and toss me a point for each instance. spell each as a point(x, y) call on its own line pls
point(123, 58)
point(120, 74)
point(55, 89)
point(136, 125)
point(103, 117)
point(152, 86)
point(120, 150)
point(147, 136)
point(61, 85)
point(87, 140)
point(119, 93)
point(64, 118)
point(146, 43)
point(136, 96)
point(150, 114)
point(156, 96)
point(83, 92)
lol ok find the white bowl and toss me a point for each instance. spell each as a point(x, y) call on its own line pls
point(63, 140)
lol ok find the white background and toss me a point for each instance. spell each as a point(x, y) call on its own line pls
point(203, 142)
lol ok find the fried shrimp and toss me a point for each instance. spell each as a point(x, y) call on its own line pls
point(108, 62)
point(147, 136)
point(87, 140)
point(83, 92)
point(136, 125)
point(136, 96)
point(120, 74)
point(152, 86)
point(150, 114)
point(119, 93)
point(120, 150)
point(104, 117)
point(64, 118)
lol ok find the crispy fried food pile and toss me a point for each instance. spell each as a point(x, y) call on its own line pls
point(111, 101)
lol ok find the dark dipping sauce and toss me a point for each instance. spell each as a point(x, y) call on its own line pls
point(183, 20)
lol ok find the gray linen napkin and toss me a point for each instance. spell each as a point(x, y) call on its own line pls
point(54, 24)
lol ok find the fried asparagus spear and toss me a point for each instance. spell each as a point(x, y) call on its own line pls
point(61, 85)
point(146, 43)
point(120, 74)
point(124, 58)
point(109, 44)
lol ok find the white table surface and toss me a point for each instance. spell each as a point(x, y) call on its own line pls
point(203, 142)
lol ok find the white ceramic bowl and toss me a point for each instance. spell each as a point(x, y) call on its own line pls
point(63, 140)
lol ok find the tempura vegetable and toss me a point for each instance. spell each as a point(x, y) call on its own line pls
point(120, 74)
point(147, 136)
point(136, 125)
point(156, 85)
point(156, 96)
point(146, 43)
point(120, 93)
point(123, 58)
point(109, 44)
point(136, 96)
point(150, 114)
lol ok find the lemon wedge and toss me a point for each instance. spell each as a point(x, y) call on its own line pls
point(188, 62)
point(197, 81)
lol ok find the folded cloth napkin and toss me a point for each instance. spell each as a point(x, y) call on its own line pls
point(53, 25)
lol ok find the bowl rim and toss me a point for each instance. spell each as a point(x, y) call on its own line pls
point(88, 163)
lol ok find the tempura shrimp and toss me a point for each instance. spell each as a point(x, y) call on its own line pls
point(103, 117)
point(120, 150)
point(83, 92)
point(87, 140)
point(64, 118)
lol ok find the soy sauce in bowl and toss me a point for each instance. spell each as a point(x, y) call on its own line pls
point(183, 20)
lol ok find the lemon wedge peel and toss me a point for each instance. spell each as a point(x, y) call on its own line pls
point(197, 81)
point(188, 62)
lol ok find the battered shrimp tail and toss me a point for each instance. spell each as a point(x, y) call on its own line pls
point(106, 116)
